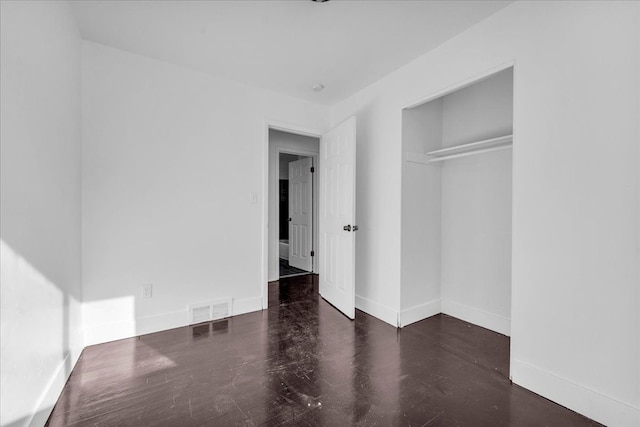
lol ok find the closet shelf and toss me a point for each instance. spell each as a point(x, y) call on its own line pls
point(493, 144)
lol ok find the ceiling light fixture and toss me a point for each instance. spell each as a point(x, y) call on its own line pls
point(319, 1)
point(318, 87)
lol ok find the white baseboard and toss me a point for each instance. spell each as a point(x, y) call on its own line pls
point(375, 309)
point(246, 305)
point(98, 334)
point(51, 393)
point(161, 322)
point(106, 332)
point(283, 250)
point(494, 322)
point(583, 400)
point(419, 312)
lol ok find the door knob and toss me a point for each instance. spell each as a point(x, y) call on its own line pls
point(347, 227)
point(289, 219)
point(355, 228)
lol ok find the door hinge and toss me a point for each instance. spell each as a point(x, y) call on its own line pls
point(313, 253)
point(313, 169)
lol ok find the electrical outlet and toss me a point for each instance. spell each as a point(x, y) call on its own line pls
point(147, 290)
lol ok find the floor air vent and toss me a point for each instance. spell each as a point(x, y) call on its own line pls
point(208, 311)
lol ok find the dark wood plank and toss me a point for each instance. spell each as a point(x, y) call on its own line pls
point(303, 363)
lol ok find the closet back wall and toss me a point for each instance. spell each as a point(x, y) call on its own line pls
point(476, 205)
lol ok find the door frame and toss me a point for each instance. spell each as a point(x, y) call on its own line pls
point(296, 130)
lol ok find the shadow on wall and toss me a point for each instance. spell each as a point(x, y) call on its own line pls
point(38, 350)
point(41, 333)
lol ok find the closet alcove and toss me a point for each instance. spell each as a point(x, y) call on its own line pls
point(457, 203)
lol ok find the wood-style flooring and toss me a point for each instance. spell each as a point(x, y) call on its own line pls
point(287, 270)
point(302, 363)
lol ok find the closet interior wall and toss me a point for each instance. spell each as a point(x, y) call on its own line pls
point(456, 213)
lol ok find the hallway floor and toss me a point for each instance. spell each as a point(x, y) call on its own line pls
point(303, 363)
point(287, 270)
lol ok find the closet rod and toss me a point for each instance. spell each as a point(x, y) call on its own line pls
point(472, 146)
point(468, 153)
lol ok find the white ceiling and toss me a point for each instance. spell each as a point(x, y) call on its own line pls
point(284, 46)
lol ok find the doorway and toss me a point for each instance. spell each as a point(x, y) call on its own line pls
point(293, 207)
point(333, 154)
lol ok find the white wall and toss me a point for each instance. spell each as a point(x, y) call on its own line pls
point(476, 206)
point(575, 327)
point(421, 214)
point(480, 111)
point(293, 143)
point(162, 203)
point(476, 239)
point(39, 208)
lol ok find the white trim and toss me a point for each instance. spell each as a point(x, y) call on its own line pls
point(107, 332)
point(52, 390)
point(98, 334)
point(377, 310)
point(576, 397)
point(161, 322)
point(283, 250)
point(290, 128)
point(514, 185)
point(419, 312)
point(492, 321)
point(246, 305)
point(264, 279)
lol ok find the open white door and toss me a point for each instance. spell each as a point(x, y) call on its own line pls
point(300, 214)
point(337, 177)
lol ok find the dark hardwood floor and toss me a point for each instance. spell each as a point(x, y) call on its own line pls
point(303, 363)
